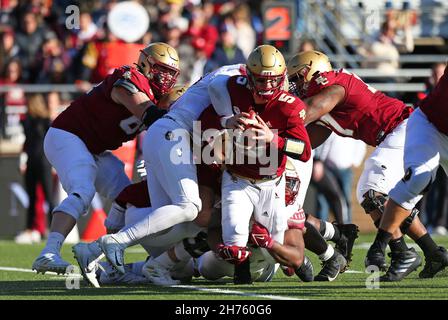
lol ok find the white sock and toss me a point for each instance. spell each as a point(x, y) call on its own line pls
point(54, 243)
point(327, 254)
point(160, 219)
point(329, 231)
point(181, 253)
point(165, 260)
point(123, 238)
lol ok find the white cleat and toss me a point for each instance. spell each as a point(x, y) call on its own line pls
point(158, 274)
point(50, 262)
point(113, 250)
point(88, 261)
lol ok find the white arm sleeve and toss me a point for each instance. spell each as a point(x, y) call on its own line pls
point(219, 95)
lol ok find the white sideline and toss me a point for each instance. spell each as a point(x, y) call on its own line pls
point(222, 291)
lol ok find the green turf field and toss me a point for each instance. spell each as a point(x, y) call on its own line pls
point(21, 283)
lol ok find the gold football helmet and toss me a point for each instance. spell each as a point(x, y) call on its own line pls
point(302, 67)
point(169, 98)
point(266, 71)
point(159, 62)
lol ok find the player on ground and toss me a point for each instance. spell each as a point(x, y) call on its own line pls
point(340, 101)
point(426, 147)
point(77, 144)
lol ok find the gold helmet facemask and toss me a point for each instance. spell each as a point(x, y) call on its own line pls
point(159, 62)
point(266, 71)
point(303, 67)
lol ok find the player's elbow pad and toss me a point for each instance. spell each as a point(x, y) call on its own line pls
point(152, 114)
point(297, 149)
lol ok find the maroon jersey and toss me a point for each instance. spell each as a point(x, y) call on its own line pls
point(365, 114)
point(97, 120)
point(435, 104)
point(284, 113)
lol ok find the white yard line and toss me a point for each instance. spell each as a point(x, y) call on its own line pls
point(53, 274)
point(234, 292)
point(220, 291)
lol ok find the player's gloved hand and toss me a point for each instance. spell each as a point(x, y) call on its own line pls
point(297, 220)
point(233, 254)
point(260, 236)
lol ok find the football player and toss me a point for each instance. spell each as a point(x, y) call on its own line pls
point(426, 147)
point(172, 176)
point(257, 188)
point(340, 101)
point(77, 144)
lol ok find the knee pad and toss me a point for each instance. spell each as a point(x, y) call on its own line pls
point(374, 200)
point(75, 204)
point(190, 211)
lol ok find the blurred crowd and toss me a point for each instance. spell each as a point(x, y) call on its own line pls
point(36, 47)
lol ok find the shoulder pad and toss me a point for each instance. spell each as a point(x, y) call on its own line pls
point(125, 83)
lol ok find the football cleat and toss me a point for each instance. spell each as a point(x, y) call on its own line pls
point(434, 263)
point(88, 261)
point(158, 274)
point(375, 258)
point(306, 271)
point(113, 250)
point(331, 268)
point(50, 262)
point(349, 233)
point(402, 264)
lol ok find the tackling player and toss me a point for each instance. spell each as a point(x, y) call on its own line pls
point(77, 144)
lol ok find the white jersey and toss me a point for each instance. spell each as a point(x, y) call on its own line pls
point(196, 99)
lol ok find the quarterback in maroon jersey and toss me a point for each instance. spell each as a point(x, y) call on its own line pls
point(341, 102)
point(78, 143)
point(426, 148)
point(257, 188)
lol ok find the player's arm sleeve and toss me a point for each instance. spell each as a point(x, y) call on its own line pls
point(295, 143)
point(220, 97)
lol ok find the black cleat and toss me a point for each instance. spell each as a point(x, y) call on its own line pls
point(375, 258)
point(402, 264)
point(242, 273)
point(434, 263)
point(331, 268)
point(349, 233)
point(306, 271)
